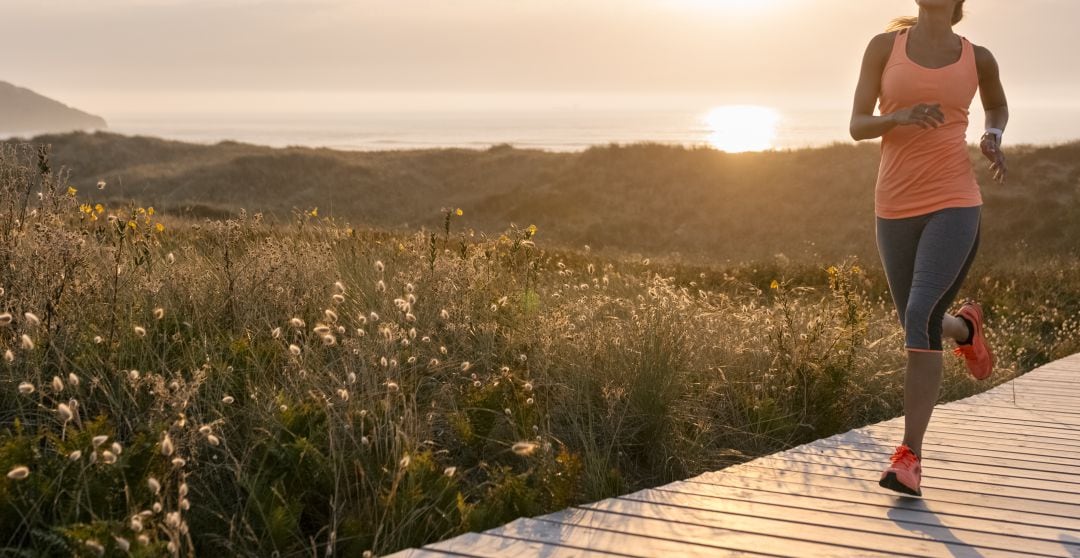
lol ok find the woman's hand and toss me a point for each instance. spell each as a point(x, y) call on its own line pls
point(923, 115)
point(991, 149)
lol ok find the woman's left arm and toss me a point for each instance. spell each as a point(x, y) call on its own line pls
point(997, 110)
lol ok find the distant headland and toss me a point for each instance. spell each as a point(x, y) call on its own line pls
point(24, 112)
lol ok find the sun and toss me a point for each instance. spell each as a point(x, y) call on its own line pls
point(739, 128)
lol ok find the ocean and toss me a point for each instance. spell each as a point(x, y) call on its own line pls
point(732, 128)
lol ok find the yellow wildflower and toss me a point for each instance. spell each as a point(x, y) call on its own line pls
point(529, 232)
point(315, 212)
point(159, 227)
point(150, 210)
point(133, 225)
point(774, 284)
point(71, 191)
point(99, 208)
point(459, 212)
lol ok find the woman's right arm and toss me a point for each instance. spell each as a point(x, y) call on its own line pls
point(864, 124)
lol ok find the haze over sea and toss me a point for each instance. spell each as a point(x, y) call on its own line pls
point(737, 127)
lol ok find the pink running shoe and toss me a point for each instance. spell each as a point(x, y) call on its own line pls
point(905, 473)
point(977, 354)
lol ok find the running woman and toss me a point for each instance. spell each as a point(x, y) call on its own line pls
point(927, 204)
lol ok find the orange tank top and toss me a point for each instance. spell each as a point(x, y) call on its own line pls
point(926, 170)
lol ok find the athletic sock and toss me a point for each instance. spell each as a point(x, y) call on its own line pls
point(971, 331)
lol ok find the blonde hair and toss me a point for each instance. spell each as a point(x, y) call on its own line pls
point(907, 22)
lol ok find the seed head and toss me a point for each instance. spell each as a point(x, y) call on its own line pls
point(9, 356)
point(380, 286)
point(167, 446)
point(108, 457)
point(170, 258)
point(340, 287)
point(404, 461)
point(98, 340)
point(26, 388)
point(392, 386)
point(32, 320)
point(294, 350)
point(98, 440)
point(213, 440)
point(449, 471)
point(57, 384)
point(75, 455)
point(19, 473)
point(379, 266)
point(63, 412)
point(275, 333)
point(321, 330)
point(297, 323)
point(123, 544)
point(26, 342)
point(465, 366)
point(117, 448)
point(524, 448)
point(154, 485)
point(444, 314)
point(178, 462)
point(338, 299)
point(5, 318)
point(140, 331)
point(331, 315)
point(329, 340)
point(228, 400)
point(159, 313)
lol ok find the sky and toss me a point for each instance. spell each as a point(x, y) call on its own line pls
point(202, 56)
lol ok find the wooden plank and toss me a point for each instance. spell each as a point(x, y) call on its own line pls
point(935, 453)
point(486, 544)
point(692, 544)
point(1019, 443)
point(974, 414)
point(1034, 404)
point(941, 494)
point(1010, 411)
point(929, 481)
point(707, 510)
point(423, 553)
point(938, 443)
point(1043, 432)
point(729, 533)
point(1063, 403)
point(870, 496)
point(932, 460)
point(891, 435)
point(938, 470)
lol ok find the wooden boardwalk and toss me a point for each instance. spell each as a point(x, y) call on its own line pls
point(1001, 478)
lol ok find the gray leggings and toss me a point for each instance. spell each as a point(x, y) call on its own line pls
point(926, 258)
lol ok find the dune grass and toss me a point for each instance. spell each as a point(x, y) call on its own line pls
point(303, 387)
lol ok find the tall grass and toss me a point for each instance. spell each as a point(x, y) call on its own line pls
point(242, 387)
